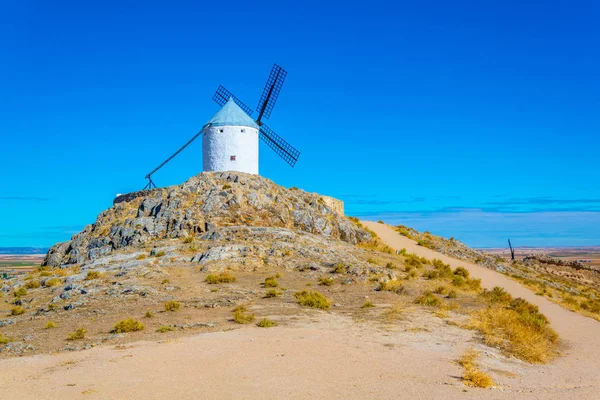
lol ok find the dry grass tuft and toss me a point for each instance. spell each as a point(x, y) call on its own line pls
point(242, 316)
point(516, 327)
point(223, 277)
point(271, 282)
point(271, 293)
point(77, 335)
point(165, 328)
point(394, 313)
point(33, 284)
point(92, 275)
point(473, 376)
point(326, 281)
point(172, 305)
point(4, 339)
point(20, 292)
point(392, 285)
point(367, 304)
point(52, 282)
point(428, 299)
point(267, 323)
point(17, 310)
point(128, 325)
point(312, 299)
point(50, 325)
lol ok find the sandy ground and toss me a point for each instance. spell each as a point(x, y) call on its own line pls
point(326, 356)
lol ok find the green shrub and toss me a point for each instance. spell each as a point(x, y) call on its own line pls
point(172, 305)
point(128, 325)
point(380, 222)
point(20, 292)
point(50, 325)
point(149, 314)
point(141, 257)
point(77, 335)
point(326, 281)
point(431, 274)
point(159, 254)
point(474, 284)
point(390, 265)
point(312, 299)
point(223, 277)
point(266, 323)
point(428, 299)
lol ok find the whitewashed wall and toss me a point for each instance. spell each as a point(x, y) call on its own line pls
point(219, 143)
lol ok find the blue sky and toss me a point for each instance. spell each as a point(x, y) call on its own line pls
point(473, 119)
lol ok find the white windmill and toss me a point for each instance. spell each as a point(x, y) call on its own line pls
point(230, 141)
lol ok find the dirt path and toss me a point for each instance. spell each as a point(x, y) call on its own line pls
point(579, 366)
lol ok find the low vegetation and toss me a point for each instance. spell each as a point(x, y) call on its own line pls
point(271, 293)
point(128, 325)
point(4, 340)
point(50, 325)
point(391, 285)
point(52, 282)
point(172, 306)
point(428, 299)
point(473, 376)
point(20, 292)
point(516, 327)
point(92, 275)
point(165, 328)
point(242, 316)
point(266, 323)
point(17, 310)
point(270, 282)
point(367, 304)
point(326, 281)
point(33, 284)
point(78, 334)
point(223, 277)
point(312, 299)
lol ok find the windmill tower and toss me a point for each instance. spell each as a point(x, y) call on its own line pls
point(230, 141)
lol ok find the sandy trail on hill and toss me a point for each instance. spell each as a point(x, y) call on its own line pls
point(326, 356)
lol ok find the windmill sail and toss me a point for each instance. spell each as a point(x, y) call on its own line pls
point(281, 147)
point(270, 92)
point(222, 95)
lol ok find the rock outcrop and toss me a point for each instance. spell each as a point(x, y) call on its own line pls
point(201, 205)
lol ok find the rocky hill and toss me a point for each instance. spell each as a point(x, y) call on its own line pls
point(203, 205)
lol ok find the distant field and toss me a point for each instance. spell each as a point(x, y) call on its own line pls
point(19, 263)
point(590, 256)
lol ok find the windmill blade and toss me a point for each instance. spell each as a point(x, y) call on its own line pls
point(222, 95)
point(270, 92)
point(284, 149)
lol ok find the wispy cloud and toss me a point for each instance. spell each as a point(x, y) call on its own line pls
point(24, 198)
point(543, 200)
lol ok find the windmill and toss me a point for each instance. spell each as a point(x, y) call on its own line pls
point(230, 138)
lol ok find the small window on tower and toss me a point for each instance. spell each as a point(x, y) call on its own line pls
point(231, 158)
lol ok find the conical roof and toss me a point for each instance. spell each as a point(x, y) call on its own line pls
point(231, 114)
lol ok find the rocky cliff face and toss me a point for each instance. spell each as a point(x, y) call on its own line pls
point(203, 204)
